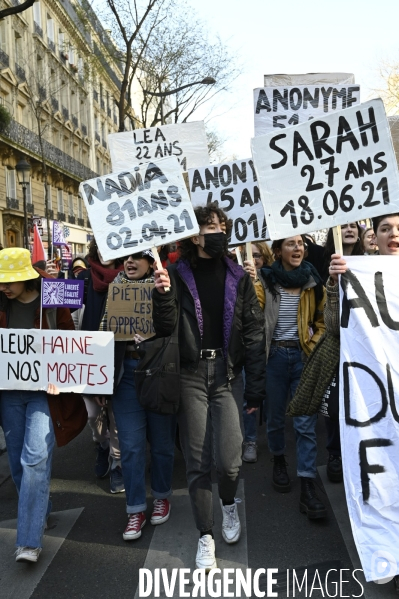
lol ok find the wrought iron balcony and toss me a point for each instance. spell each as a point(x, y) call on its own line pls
point(28, 141)
point(65, 113)
point(20, 73)
point(41, 90)
point(71, 219)
point(51, 214)
point(4, 59)
point(104, 143)
point(12, 204)
point(51, 45)
point(30, 209)
point(38, 29)
point(63, 56)
point(84, 129)
point(75, 122)
point(81, 222)
point(55, 104)
point(95, 95)
point(61, 216)
point(97, 136)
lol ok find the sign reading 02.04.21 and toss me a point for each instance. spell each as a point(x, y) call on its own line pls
point(328, 171)
point(233, 185)
point(137, 209)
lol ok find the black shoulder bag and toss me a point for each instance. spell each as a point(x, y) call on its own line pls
point(157, 375)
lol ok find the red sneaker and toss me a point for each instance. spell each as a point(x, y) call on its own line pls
point(161, 511)
point(134, 526)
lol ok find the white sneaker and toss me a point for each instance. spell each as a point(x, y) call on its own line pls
point(27, 554)
point(231, 527)
point(205, 557)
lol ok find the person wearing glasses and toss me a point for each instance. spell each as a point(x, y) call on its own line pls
point(134, 423)
point(293, 300)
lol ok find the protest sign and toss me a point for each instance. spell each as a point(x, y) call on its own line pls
point(283, 106)
point(58, 234)
point(292, 79)
point(326, 172)
point(130, 310)
point(234, 186)
point(369, 409)
point(137, 209)
point(78, 361)
point(62, 293)
point(186, 141)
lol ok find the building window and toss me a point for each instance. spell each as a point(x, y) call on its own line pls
point(37, 16)
point(60, 200)
point(70, 204)
point(11, 183)
point(50, 29)
point(80, 207)
point(29, 192)
point(71, 55)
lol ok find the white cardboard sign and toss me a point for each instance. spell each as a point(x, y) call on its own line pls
point(78, 361)
point(283, 106)
point(186, 141)
point(328, 171)
point(234, 186)
point(369, 409)
point(134, 210)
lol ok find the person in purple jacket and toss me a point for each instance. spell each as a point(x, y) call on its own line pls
point(221, 330)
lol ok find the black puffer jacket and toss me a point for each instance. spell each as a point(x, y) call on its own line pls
point(243, 326)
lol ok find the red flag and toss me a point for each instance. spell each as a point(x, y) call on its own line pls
point(38, 252)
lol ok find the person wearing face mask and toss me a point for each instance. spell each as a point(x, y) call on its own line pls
point(134, 422)
point(221, 330)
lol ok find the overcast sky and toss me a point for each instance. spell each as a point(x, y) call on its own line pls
point(351, 36)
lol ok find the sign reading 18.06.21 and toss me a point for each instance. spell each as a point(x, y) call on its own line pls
point(328, 171)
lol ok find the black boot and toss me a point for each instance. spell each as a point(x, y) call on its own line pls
point(281, 481)
point(334, 468)
point(309, 503)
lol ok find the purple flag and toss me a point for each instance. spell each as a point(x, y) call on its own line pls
point(62, 293)
point(58, 234)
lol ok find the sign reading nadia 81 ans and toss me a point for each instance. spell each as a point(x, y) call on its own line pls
point(328, 171)
point(137, 209)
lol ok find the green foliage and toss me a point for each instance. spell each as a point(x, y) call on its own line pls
point(5, 118)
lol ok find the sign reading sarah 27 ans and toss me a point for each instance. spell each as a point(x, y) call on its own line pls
point(186, 141)
point(281, 107)
point(137, 209)
point(234, 186)
point(328, 171)
point(369, 409)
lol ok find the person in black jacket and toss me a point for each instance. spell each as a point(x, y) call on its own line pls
point(221, 330)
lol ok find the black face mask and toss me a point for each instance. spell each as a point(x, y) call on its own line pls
point(215, 244)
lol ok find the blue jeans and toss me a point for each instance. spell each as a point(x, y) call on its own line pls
point(133, 423)
point(29, 433)
point(284, 368)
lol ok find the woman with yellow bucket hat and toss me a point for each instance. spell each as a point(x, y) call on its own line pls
point(25, 415)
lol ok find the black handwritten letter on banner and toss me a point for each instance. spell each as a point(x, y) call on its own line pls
point(331, 170)
point(369, 404)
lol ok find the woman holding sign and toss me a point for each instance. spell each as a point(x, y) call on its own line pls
point(294, 299)
point(25, 414)
point(134, 422)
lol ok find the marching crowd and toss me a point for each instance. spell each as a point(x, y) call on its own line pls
point(253, 337)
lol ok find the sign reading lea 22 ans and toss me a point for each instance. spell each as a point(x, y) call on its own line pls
point(328, 171)
point(137, 209)
point(280, 107)
point(369, 409)
point(77, 361)
point(233, 185)
point(186, 141)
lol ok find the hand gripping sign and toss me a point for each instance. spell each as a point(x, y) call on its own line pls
point(138, 209)
point(233, 185)
point(186, 141)
point(328, 171)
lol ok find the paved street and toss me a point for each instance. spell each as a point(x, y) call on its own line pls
point(85, 557)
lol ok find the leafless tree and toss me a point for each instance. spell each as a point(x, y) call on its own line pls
point(389, 92)
point(13, 10)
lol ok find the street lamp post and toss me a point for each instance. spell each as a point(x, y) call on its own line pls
point(23, 172)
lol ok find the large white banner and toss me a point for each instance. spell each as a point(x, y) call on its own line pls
point(78, 361)
point(329, 171)
point(186, 141)
point(280, 107)
point(369, 409)
point(134, 210)
point(233, 185)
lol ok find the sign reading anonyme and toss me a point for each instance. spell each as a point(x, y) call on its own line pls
point(328, 171)
point(137, 209)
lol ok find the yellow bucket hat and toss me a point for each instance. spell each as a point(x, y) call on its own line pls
point(15, 265)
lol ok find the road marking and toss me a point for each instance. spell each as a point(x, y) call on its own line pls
point(174, 544)
point(20, 579)
point(337, 498)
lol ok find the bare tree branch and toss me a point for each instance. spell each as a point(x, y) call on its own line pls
point(14, 10)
